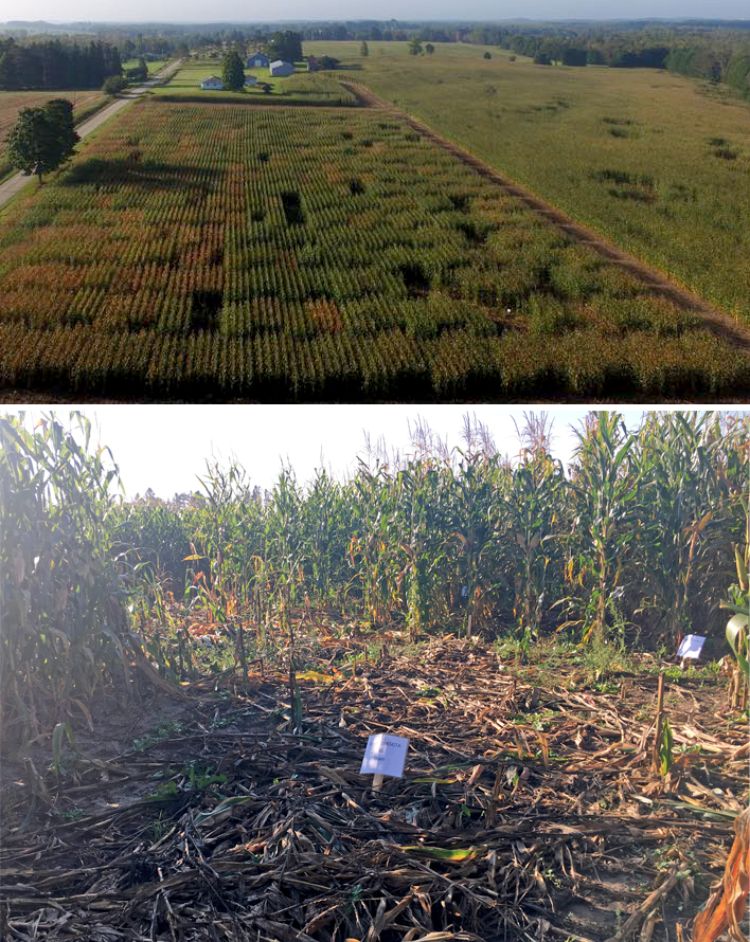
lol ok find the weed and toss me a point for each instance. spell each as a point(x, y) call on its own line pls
point(162, 732)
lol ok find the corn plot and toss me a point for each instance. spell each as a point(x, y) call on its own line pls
point(289, 254)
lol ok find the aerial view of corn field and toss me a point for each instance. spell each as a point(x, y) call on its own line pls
point(498, 215)
point(225, 251)
point(450, 695)
point(607, 145)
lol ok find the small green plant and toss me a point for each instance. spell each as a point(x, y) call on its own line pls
point(60, 734)
point(160, 734)
point(355, 895)
point(159, 828)
point(606, 686)
point(73, 814)
point(200, 779)
point(601, 659)
point(165, 791)
point(666, 757)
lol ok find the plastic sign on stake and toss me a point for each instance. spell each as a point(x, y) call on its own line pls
point(384, 755)
point(691, 647)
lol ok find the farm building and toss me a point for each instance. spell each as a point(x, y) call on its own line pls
point(279, 67)
point(250, 80)
point(257, 60)
point(212, 83)
point(312, 64)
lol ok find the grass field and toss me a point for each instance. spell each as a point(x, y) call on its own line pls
point(84, 103)
point(153, 67)
point(659, 163)
point(300, 88)
point(234, 252)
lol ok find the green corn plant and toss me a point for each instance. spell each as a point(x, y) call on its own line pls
point(738, 630)
point(419, 508)
point(534, 512)
point(608, 506)
point(229, 520)
point(373, 547)
point(475, 528)
point(666, 744)
point(328, 516)
point(62, 594)
point(60, 734)
point(677, 460)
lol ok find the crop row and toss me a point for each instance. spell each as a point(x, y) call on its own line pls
point(392, 363)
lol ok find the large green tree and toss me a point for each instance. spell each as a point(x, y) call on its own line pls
point(233, 74)
point(42, 138)
point(286, 45)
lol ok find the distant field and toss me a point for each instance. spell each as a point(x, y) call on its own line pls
point(236, 252)
point(659, 163)
point(300, 88)
point(11, 103)
point(153, 67)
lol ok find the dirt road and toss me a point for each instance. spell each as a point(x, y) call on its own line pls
point(15, 184)
point(656, 281)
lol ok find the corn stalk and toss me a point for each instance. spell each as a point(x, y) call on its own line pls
point(64, 623)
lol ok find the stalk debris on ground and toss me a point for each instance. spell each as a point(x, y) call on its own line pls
point(529, 809)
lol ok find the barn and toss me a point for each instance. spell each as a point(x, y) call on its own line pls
point(257, 60)
point(279, 67)
point(212, 83)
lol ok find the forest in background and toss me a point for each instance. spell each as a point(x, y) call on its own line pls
point(56, 63)
point(712, 50)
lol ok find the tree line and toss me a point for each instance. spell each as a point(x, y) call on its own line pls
point(714, 55)
point(709, 50)
point(55, 64)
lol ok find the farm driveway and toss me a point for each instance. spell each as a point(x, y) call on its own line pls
point(15, 184)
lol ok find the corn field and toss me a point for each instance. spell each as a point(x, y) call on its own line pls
point(226, 252)
point(63, 619)
point(635, 540)
point(633, 546)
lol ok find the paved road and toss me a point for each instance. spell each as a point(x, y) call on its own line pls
point(14, 184)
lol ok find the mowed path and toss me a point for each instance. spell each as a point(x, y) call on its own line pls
point(15, 184)
point(656, 281)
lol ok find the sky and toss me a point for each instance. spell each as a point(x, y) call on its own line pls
point(232, 10)
point(165, 447)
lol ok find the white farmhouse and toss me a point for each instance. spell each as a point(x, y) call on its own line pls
point(279, 67)
point(212, 83)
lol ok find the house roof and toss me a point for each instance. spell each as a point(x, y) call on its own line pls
point(278, 62)
point(213, 78)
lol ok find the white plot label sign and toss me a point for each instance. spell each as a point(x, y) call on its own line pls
point(691, 646)
point(385, 755)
